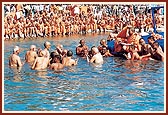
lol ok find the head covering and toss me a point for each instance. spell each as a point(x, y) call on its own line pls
point(16, 48)
point(32, 47)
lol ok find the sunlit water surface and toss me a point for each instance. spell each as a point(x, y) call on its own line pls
point(117, 85)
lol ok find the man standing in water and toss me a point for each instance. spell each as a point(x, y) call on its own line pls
point(47, 46)
point(82, 49)
point(31, 55)
point(40, 62)
point(157, 53)
point(68, 61)
point(97, 57)
point(56, 65)
point(14, 59)
point(103, 48)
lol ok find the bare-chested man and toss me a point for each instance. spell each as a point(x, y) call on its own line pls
point(40, 62)
point(82, 49)
point(68, 61)
point(56, 65)
point(146, 49)
point(157, 54)
point(31, 55)
point(133, 53)
point(103, 48)
point(14, 59)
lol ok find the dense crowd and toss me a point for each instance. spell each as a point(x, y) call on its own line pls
point(125, 21)
point(45, 20)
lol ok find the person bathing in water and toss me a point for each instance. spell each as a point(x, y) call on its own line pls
point(14, 59)
point(82, 49)
point(31, 55)
point(97, 57)
point(56, 65)
point(40, 62)
point(68, 61)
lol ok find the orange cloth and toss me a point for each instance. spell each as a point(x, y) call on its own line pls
point(122, 34)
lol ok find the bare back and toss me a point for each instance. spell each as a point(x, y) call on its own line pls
point(56, 66)
point(40, 63)
point(14, 61)
point(67, 61)
point(30, 56)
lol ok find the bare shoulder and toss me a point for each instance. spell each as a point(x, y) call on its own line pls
point(73, 62)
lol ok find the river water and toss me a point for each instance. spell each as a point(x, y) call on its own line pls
point(117, 85)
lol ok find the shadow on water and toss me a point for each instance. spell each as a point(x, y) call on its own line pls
point(117, 85)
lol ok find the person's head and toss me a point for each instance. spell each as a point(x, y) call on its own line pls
point(53, 54)
point(131, 30)
point(131, 48)
point(69, 53)
point(16, 50)
point(103, 42)
point(155, 45)
point(142, 41)
point(151, 40)
point(64, 52)
point(95, 50)
point(57, 59)
point(60, 46)
point(82, 42)
point(33, 47)
point(47, 45)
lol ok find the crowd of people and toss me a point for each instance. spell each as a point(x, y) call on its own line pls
point(60, 57)
point(125, 21)
point(45, 20)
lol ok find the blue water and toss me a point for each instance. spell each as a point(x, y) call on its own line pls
point(117, 85)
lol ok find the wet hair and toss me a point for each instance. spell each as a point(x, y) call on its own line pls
point(151, 38)
point(58, 57)
point(53, 54)
point(55, 58)
point(69, 53)
point(81, 41)
point(93, 47)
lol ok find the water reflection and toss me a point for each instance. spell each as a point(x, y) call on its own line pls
point(16, 74)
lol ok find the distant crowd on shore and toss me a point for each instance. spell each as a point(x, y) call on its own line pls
point(45, 20)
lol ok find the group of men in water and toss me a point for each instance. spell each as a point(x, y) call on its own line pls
point(41, 59)
point(131, 48)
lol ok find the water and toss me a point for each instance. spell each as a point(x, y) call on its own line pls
point(117, 85)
